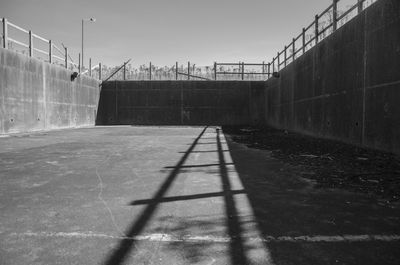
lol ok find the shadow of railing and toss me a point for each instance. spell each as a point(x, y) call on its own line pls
point(125, 245)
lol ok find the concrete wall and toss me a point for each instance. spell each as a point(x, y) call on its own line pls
point(348, 86)
point(181, 102)
point(35, 95)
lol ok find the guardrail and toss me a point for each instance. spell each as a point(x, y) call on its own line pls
point(53, 53)
point(320, 29)
point(265, 69)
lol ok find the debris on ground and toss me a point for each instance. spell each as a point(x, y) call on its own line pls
point(330, 163)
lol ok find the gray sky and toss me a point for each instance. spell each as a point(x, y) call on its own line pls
point(165, 31)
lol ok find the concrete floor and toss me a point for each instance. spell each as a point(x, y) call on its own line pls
point(176, 195)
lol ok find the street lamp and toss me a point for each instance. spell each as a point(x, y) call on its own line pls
point(83, 20)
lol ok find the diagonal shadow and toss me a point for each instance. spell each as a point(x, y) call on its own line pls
point(126, 244)
point(237, 252)
point(195, 166)
point(186, 197)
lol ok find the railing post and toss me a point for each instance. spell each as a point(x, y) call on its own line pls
point(215, 71)
point(150, 71)
point(176, 70)
point(242, 70)
point(50, 51)
point(263, 68)
point(316, 29)
point(124, 73)
point(293, 50)
point(79, 63)
point(66, 57)
point(273, 64)
point(304, 40)
point(5, 34)
point(188, 77)
point(360, 6)
point(279, 62)
point(334, 15)
point(269, 69)
point(99, 71)
point(30, 44)
point(90, 66)
point(285, 56)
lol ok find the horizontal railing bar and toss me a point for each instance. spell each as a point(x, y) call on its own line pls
point(59, 58)
point(18, 42)
point(194, 76)
point(239, 73)
point(17, 27)
point(307, 28)
point(38, 50)
point(311, 40)
point(347, 12)
point(298, 37)
point(61, 52)
point(325, 11)
point(325, 29)
point(228, 63)
point(40, 38)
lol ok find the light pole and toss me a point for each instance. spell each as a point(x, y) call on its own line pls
point(83, 20)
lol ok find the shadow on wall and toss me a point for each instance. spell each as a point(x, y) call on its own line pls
point(181, 103)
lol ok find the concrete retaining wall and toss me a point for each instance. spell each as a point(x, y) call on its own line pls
point(36, 95)
point(181, 102)
point(348, 86)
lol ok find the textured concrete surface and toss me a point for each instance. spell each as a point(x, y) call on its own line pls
point(181, 103)
point(348, 86)
point(35, 95)
point(176, 195)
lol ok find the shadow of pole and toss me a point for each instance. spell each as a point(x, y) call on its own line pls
point(237, 252)
point(125, 246)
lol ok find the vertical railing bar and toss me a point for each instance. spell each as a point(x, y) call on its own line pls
point(334, 14)
point(316, 29)
point(66, 57)
point(30, 44)
point(50, 51)
point(176, 70)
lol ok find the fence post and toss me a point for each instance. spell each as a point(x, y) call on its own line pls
point(263, 68)
point(176, 70)
point(99, 71)
point(150, 72)
point(30, 44)
point(79, 63)
point(50, 51)
point(273, 64)
point(285, 55)
point(90, 66)
point(269, 70)
point(188, 78)
point(304, 40)
point(66, 57)
point(215, 71)
point(316, 29)
point(279, 62)
point(242, 70)
point(293, 50)
point(334, 14)
point(5, 34)
point(124, 73)
point(360, 6)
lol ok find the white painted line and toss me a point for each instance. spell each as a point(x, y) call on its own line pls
point(214, 239)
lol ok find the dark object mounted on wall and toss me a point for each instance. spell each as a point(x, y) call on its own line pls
point(74, 76)
point(276, 74)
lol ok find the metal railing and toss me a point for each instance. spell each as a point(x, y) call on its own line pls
point(34, 45)
point(319, 30)
point(240, 71)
